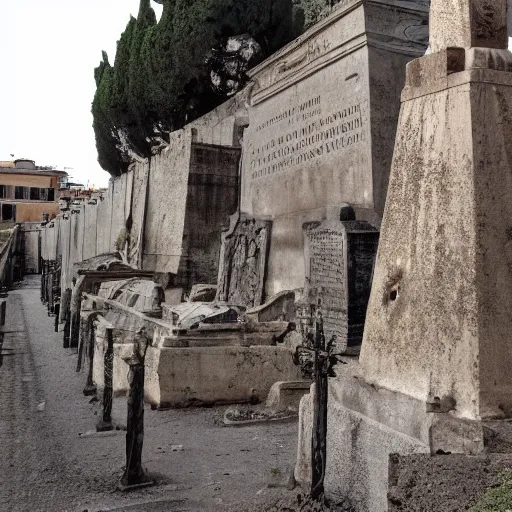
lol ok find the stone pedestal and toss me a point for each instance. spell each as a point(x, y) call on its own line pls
point(439, 319)
point(436, 353)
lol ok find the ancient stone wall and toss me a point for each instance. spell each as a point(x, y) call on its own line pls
point(212, 196)
point(323, 114)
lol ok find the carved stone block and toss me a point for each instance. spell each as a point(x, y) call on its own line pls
point(340, 256)
point(243, 261)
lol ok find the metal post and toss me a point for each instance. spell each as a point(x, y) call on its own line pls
point(75, 327)
point(57, 314)
point(3, 308)
point(42, 282)
point(106, 421)
point(66, 300)
point(319, 437)
point(90, 388)
point(134, 475)
point(89, 337)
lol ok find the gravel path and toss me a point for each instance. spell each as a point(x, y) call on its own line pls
point(47, 465)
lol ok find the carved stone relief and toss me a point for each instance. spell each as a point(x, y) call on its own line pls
point(243, 261)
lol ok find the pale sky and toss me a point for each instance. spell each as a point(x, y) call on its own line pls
point(48, 52)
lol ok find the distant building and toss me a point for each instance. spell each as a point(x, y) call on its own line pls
point(27, 192)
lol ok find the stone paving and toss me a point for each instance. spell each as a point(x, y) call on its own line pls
point(47, 464)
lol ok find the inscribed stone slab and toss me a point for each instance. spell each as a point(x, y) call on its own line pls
point(165, 219)
point(341, 257)
point(323, 113)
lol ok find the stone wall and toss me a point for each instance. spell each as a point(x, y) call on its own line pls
point(212, 197)
point(164, 215)
point(323, 114)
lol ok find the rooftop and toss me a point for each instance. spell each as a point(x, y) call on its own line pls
point(25, 166)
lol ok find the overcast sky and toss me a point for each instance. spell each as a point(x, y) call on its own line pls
point(48, 52)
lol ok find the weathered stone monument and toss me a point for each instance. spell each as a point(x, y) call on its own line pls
point(322, 119)
point(340, 253)
point(243, 261)
point(436, 356)
point(442, 291)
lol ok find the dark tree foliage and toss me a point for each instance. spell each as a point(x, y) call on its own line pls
point(107, 141)
point(160, 79)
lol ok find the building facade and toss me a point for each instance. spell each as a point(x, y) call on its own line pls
point(28, 192)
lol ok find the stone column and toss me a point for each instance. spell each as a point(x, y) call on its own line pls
point(436, 353)
point(439, 321)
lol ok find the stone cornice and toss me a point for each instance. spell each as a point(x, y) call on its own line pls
point(321, 46)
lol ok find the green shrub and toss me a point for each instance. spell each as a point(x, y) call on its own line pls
point(497, 499)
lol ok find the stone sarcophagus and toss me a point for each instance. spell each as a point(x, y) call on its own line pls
point(243, 261)
point(340, 255)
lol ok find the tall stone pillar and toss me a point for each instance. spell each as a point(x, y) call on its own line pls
point(439, 319)
point(468, 23)
point(437, 348)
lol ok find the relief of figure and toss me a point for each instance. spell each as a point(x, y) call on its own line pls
point(245, 253)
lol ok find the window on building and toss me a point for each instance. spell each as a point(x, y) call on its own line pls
point(35, 194)
point(21, 193)
point(3, 191)
point(51, 194)
point(8, 212)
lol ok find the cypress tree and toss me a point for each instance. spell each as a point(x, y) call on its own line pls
point(108, 145)
point(138, 95)
point(160, 79)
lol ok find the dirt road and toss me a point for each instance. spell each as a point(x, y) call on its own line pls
point(47, 464)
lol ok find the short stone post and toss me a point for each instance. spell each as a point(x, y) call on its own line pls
point(106, 422)
point(134, 475)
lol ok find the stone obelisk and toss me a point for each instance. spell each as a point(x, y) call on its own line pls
point(439, 322)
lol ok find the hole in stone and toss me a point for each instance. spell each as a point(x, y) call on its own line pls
point(393, 295)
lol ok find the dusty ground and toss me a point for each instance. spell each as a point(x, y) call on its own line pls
point(47, 464)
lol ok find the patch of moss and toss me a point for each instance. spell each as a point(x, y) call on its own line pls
point(497, 499)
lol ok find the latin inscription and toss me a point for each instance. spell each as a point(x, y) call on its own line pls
point(328, 279)
point(305, 134)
